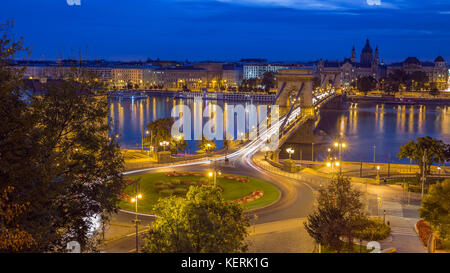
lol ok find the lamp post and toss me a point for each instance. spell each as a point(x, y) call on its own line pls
point(164, 144)
point(142, 137)
point(214, 175)
point(329, 153)
point(312, 152)
point(134, 200)
point(374, 152)
point(340, 145)
point(290, 151)
point(378, 174)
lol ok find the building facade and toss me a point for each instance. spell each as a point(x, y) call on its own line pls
point(437, 71)
point(256, 70)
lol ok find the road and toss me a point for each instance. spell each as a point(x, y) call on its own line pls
point(296, 200)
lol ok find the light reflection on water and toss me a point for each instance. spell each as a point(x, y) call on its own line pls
point(363, 125)
point(385, 126)
point(129, 117)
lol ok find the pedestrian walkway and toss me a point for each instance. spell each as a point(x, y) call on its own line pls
point(403, 236)
point(392, 208)
point(406, 231)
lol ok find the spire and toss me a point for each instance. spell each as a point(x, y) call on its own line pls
point(353, 57)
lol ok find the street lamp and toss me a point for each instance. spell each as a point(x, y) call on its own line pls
point(214, 174)
point(134, 200)
point(340, 145)
point(164, 144)
point(290, 151)
point(378, 173)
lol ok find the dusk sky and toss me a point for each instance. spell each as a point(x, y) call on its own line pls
point(279, 30)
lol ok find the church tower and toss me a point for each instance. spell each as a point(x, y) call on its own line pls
point(377, 55)
point(353, 58)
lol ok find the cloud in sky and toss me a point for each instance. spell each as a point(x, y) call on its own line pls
point(320, 4)
point(231, 29)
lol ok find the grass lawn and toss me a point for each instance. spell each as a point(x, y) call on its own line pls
point(232, 190)
point(356, 249)
point(414, 185)
point(135, 155)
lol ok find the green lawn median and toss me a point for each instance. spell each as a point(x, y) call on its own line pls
point(252, 193)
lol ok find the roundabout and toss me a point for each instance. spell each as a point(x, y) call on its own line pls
point(251, 192)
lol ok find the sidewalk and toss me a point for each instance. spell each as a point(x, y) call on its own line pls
point(401, 216)
point(266, 238)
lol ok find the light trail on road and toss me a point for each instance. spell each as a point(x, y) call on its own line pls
point(246, 152)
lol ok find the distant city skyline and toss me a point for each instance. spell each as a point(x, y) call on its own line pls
point(228, 30)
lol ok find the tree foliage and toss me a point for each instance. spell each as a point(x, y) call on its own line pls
point(12, 239)
point(207, 145)
point(201, 223)
point(366, 84)
point(424, 149)
point(160, 130)
point(435, 209)
point(57, 156)
point(337, 215)
point(268, 81)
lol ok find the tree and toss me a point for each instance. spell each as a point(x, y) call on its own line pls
point(425, 149)
point(366, 84)
point(337, 215)
point(57, 156)
point(435, 209)
point(268, 81)
point(207, 145)
point(201, 223)
point(160, 130)
point(417, 80)
point(12, 239)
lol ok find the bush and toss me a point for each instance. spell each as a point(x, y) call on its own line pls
point(175, 181)
point(161, 187)
point(180, 191)
point(166, 192)
point(425, 232)
point(372, 230)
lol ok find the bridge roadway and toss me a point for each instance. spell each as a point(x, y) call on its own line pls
point(296, 200)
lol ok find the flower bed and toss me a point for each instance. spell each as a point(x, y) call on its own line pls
point(227, 176)
point(252, 197)
point(425, 232)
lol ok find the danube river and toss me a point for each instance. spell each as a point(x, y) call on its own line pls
point(369, 127)
point(364, 126)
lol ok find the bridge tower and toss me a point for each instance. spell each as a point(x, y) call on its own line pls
point(295, 87)
point(330, 77)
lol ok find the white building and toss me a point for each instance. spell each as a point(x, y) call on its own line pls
point(252, 71)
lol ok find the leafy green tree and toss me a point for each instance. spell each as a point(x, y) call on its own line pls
point(337, 215)
point(160, 130)
point(366, 84)
point(434, 90)
point(201, 223)
point(435, 209)
point(424, 149)
point(57, 156)
point(207, 145)
point(417, 80)
point(12, 239)
point(268, 81)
